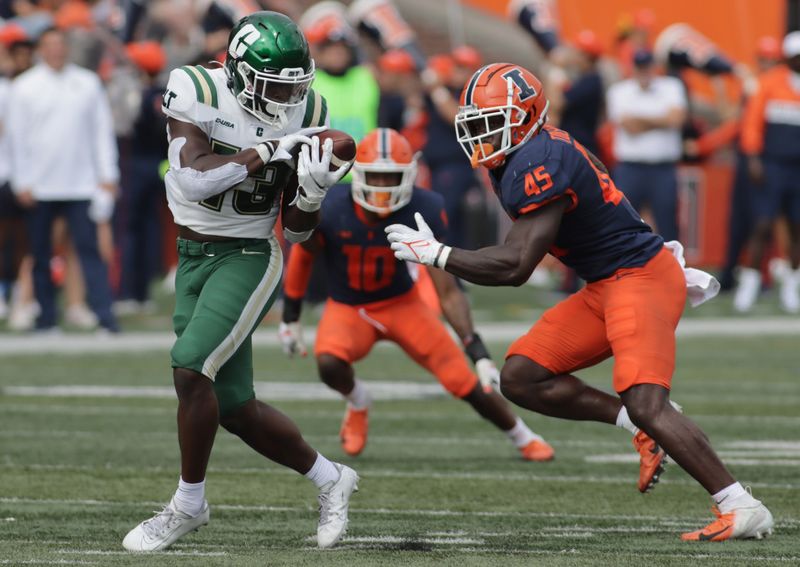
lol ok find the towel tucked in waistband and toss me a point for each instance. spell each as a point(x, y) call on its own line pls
point(700, 286)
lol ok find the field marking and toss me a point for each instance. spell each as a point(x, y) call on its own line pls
point(379, 473)
point(751, 460)
point(374, 439)
point(267, 336)
point(388, 415)
point(670, 521)
point(128, 553)
point(278, 391)
point(46, 562)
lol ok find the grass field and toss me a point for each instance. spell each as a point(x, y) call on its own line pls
point(439, 486)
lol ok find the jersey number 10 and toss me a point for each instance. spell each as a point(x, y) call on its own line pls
point(369, 268)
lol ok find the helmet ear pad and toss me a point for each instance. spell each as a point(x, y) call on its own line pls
point(518, 134)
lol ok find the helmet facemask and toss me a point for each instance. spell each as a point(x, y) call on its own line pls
point(383, 186)
point(486, 134)
point(270, 94)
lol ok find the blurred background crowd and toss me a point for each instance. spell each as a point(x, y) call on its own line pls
point(694, 107)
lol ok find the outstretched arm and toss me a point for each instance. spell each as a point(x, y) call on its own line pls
point(510, 263)
point(455, 306)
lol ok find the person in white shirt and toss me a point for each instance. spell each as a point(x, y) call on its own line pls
point(648, 112)
point(64, 163)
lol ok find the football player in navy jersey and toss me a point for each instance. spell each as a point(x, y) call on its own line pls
point(373, 297)
point(563, 201)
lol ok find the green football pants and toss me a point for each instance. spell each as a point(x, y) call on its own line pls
point(222, 291)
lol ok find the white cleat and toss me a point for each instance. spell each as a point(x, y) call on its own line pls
point(334, 501)
point(752, 522)
point(164, 529)
point(748, 289)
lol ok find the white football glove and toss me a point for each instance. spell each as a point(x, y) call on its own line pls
point(418, 245)
point(291, 336)
point(488, 374)
point(314, 175)
point(285, 145)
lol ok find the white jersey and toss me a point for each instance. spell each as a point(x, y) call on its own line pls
point(249, 209)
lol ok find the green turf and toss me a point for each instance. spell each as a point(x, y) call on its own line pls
point(439, 486)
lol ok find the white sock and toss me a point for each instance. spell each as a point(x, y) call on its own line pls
point(521, 434)
point(323, 472)
point(733, 496)
point(625, 422)
point(189, 497)
point(359, 398)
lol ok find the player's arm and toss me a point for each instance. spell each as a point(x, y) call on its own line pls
point(457, 312)
point(510, 263)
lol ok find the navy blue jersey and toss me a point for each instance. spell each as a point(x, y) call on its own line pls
point(600, 231)
point(359, 264)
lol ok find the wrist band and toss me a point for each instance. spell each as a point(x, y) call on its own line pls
point(475, 348)
point(305, 205)
point(441, 256)
point(265, 151)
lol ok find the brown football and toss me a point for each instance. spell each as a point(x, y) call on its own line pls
point(344, 147)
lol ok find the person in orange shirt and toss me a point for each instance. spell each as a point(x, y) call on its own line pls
point(771, 142)
point(373, 297)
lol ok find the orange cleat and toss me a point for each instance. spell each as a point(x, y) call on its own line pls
point(740, 523)
point(354, 431)
point(652, 459)
point(537, 450)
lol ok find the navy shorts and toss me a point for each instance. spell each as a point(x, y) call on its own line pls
point(780, 192)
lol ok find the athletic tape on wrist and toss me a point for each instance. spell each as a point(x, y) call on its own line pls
point(265, 151)
point(441, 256)
point(475, 348)
point(307, 206)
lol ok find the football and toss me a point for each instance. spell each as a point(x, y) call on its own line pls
point(344, 147)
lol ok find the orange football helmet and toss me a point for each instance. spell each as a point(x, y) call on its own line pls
point(501, 107)
point(383, 172)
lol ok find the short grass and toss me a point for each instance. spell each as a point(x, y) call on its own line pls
point(439, 486)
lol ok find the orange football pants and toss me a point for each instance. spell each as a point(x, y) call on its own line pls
point(348, 332)
point(631, 315)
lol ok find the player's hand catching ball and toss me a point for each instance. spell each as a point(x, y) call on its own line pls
point(286, 147)
point(291, 336)
point(314, 176)
point(419, 246)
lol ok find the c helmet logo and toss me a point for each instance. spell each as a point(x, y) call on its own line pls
point(243, 39)
point(525, 90)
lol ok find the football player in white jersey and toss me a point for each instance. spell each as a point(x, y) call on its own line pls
point(233, 133)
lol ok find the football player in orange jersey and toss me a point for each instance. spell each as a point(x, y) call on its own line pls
point(373, 297)
point(563, 201)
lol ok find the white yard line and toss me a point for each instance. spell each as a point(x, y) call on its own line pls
point(443, 476)
point(128, 553)
point(267, 336)
point(665, 520)
point(277, 391)
point(754, 460)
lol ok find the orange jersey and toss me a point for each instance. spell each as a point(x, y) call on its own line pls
point(772, 117)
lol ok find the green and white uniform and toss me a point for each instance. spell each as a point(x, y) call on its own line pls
point(223, 290)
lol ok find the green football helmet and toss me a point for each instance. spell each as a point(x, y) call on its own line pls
point(269, 66)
